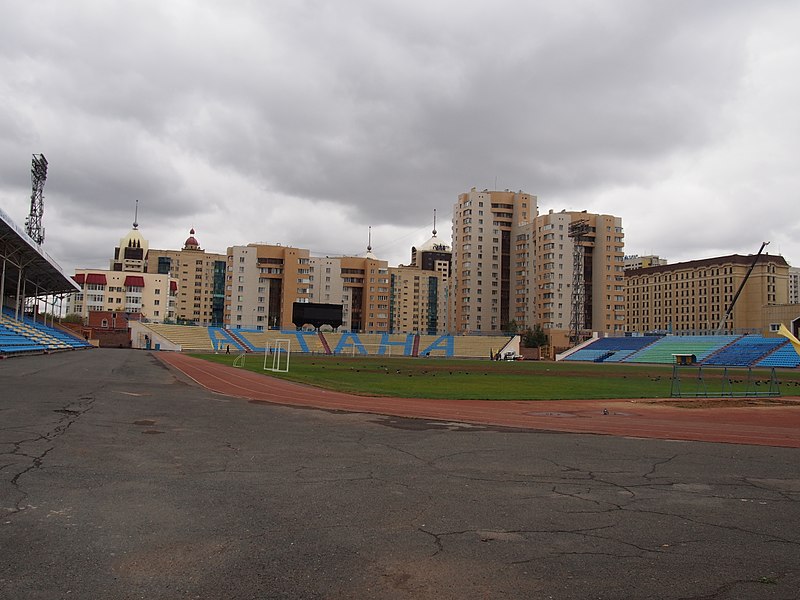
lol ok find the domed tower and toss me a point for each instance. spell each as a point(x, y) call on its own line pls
point(191, 242)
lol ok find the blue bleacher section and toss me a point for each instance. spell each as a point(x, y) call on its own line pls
point(18, 337)
point(745, 351)
point(784, 356)
point(612, 349)
point(712, 350)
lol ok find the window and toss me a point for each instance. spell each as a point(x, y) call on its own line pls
point(774, 326)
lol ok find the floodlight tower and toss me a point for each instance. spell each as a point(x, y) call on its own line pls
point(578, 233)
point(33, 224)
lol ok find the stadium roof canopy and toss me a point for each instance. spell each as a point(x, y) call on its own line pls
point(41, 274)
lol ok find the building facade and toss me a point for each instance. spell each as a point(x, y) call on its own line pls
point(131, 254)
point(148, 296)
point(201, 281)
point(419, 291)
point(694, 296)
point(261, 284)
point(600, 299)
point(484, 225)
point(515, 269)
point(634, 261)
point(264, 281)
point(794, 285)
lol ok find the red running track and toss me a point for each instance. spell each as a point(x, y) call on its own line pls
point(759, 425)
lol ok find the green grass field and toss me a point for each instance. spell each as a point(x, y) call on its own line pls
point(486, 380)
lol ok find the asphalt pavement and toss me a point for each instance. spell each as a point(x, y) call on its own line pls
point(121, 479)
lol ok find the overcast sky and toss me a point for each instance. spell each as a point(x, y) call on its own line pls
point(305, 122)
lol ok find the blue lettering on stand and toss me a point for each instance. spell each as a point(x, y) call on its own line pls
point(350, 340)
point(444, 343)
point(407, 345)
point(221, 338)
point(300, 336)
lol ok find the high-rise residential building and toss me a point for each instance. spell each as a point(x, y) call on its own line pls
point(486, 225)
point(634, 261)
point(201, 281)
point(264, 281)
point(794, 285)
point(694, 296)
point(514, 268)
point(419, 291)
point(596, 292)
point(365, 293)
point(359, 284)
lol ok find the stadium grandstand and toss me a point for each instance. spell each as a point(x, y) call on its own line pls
point(712, 350)
point(32, 289)
point(182, 338)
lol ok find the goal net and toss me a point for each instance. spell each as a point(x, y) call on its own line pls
point(276, 356)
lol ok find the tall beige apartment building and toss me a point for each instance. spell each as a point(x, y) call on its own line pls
point(693, 296)
point(485, 227)
point(359, 284)
point(512, 264)
point(201, 281)
point(264, 281)
point(261, 284)
point(552, 299)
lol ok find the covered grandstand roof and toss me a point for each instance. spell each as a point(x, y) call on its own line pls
point(41, 273)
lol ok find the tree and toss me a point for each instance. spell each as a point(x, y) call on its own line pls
point(73, 318)
point(534, 338)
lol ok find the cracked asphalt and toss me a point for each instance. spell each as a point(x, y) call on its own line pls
point(122, 479)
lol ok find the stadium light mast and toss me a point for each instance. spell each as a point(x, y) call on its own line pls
point(33, 224)
point(578, 232)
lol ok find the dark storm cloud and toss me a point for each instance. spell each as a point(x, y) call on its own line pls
point(362, 113)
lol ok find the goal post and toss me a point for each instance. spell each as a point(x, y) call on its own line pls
point(278, 351)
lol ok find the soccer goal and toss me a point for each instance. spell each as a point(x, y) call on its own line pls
point(239, 360)
point(279, 350)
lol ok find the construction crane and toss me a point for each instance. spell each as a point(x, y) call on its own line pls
point(33, 224)
point(739, 291)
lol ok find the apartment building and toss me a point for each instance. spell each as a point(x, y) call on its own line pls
point(634, 261)
point(419, 291)
point(148, 296)
point(484, 225)
point(693, 296)
point(201, 281)
point(365, 282)
point(794, 285)
point(359, 284)
point(552, 278)
point(264, 281)
point(514, 266)
point(261, 284)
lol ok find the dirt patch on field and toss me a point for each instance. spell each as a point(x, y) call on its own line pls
point(728, 402)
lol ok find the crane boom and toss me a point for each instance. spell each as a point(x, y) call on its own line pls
point(741, 287)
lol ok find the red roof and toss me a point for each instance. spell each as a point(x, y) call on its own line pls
point(79, 278)
point(96, 278)
point(134, 281)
